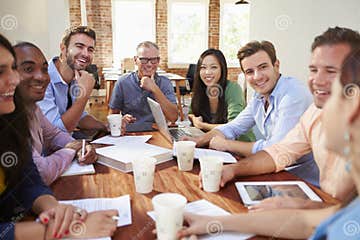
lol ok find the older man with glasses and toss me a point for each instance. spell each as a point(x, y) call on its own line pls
point(131, 90)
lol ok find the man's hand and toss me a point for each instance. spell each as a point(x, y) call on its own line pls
point(86, 83)
point(218, 143)
point(226, 175)
point(148, 83)
point(286, 202)
point(126, 119)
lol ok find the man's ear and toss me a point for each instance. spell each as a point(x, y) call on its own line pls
point(277, 64)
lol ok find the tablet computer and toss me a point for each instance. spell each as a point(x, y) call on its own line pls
point(254, 192)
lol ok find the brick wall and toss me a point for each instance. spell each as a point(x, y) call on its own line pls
point(99, 18)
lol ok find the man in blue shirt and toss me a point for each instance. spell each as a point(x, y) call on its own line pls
point(278, 104)
point(70, 87)
point(131, 90)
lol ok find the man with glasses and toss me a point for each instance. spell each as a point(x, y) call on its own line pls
point(131, 90)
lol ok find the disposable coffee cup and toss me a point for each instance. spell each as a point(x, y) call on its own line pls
point(115, 124)
point(144, 170)
point(185, 155)
point(169, 210)
point(211, 170)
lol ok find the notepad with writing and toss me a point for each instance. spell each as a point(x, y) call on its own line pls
point(122, 204)
point(204, 207)
point(76, 169)
point(120, 157)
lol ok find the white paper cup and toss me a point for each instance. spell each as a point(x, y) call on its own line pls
point(211, 170)
point(115, 124)
point(169, 209)
point(185, 155)
point(144, 169)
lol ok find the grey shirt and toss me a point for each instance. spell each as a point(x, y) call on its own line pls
point(130, 98)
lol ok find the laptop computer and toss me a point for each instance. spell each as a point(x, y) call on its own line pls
point(173, 133)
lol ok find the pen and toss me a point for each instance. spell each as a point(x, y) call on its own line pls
point(83, 148)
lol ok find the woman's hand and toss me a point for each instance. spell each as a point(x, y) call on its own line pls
point(90, 155)
point(62, 216)
point(197, 122)
point(97, 224)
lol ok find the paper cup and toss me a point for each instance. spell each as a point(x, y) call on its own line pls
point(211, 170)
point(185, 155)
point(169, 209)
point(144, 169)
point(115, 124)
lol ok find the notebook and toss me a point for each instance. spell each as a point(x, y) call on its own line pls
point(76, 169)
point(171, 134)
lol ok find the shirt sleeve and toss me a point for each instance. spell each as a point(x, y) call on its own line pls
point(50, 110)
point(292, 147)
point(289, 112)
point(54, 138)
point(167, 89)
point(31, 186)
point(7, 231)
point(117, 97)
point(52, 166)
point(234, 99)
point(240, 125)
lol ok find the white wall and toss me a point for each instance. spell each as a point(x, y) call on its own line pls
point(39, 21)
point(292, 25)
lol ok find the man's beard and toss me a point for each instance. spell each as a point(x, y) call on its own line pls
point(70, 61)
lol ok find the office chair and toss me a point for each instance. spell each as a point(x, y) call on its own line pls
point(189, 80)
point(92, 68)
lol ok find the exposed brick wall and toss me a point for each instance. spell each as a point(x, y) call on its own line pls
point(99, 18)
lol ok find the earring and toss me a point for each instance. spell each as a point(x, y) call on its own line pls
point(346, 151)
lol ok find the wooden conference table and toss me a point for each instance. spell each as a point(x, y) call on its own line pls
point(108, 182)
point(179, 81)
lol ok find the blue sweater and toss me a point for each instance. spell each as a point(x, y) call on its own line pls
point(17, 201)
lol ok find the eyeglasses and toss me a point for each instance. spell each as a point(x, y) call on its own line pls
point(153, 60)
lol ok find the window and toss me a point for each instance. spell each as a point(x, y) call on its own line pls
point(133, 22)
point(187, 31)
point(234, 29)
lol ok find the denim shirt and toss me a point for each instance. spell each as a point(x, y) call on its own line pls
point(55, 101)
point(130, 98)
point(344, 225)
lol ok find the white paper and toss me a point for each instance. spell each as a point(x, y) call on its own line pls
point(122, 204)
point(130, 151)
point(122, 140)
point(204, 207)
point(203, 152)
point(76, 169)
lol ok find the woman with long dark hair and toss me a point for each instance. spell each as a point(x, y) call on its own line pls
point(21, 187)
point(215, 100)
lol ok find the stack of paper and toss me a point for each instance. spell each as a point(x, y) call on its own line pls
point(122, 140)
point(121, 156)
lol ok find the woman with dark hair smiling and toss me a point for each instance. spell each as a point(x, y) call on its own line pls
point(21, 187)
point(215, 100)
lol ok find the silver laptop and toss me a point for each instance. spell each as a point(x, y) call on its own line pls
point(171, 134)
